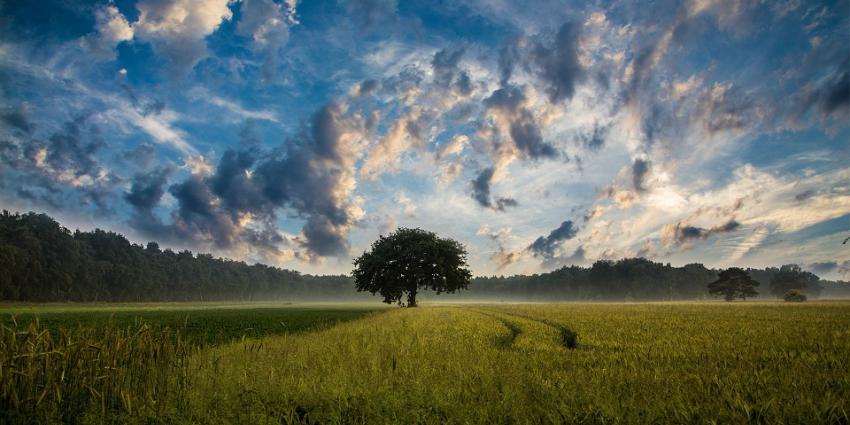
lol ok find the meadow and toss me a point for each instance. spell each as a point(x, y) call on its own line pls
point(763, 362)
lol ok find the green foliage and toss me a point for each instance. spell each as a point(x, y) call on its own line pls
point(409, 260)
point(733, 283)
point(794, 295)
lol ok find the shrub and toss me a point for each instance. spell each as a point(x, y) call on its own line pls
point(794, 295)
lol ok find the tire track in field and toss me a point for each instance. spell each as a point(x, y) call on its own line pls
point(569, 338)
point(515, 330)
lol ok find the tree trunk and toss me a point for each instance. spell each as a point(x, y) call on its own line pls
point(411, 298)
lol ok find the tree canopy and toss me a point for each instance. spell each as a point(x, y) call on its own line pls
point(733, 283)
point(408, 260)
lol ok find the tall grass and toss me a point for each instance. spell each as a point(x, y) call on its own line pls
point(110, 374)
point(573, 363)
point(649, 363)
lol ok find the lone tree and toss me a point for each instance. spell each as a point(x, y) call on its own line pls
point(733, 283)
point(408, 260)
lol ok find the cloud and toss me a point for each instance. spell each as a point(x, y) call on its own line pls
point(111, 28)
point(385, 155)
point(544, 246)
point(267, 24)
point(558, 66)
point(680, 233)
point(639, 172)
point(515, 121)
point(824, 267)
point(147, 189)
point(17, 118)
point(481, 192)
point(177, 28)
point(312, 176)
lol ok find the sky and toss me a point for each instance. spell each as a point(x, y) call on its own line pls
point(539, 135)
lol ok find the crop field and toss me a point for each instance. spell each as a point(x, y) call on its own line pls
point(488, 363)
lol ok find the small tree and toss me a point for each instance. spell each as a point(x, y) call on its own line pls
point(794, 295)
point(733, 283)
point(408, 260)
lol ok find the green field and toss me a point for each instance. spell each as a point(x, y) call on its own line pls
point(496, 363)
point(202, 323)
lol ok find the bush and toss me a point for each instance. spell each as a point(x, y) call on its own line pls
point(794, 295)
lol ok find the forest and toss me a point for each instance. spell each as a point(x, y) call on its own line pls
point(40, 260)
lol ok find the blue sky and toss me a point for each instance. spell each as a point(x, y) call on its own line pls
point(539, 135)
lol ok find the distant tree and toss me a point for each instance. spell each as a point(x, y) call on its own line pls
point(408, 260)
point(733, 283)
point(791, 276)
point(794, 295)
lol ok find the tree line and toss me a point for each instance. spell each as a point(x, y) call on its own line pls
point(639, 279)
point(42, 261)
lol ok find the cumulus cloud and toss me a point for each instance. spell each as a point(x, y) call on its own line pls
point(147, 189)
point(111, 28)
point(311, 176)
point(515, 123)
point(267, 24)
point(177, 29)
point(42, 170)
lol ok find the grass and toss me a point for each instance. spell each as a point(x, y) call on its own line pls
point(566, 363)
point(200, 323)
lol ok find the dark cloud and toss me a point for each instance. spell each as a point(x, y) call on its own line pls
point(679, 233)
point(367, 87)
point(726, 108)
point(142, 156)
point(509, 55)
point(545, 246)
point(72, 148)
point(594, 139)
point(481, 187)
point(524, 130)
point(502, 203)
point(806, 194)
point(198, 217)
point(557, 65)
point(17, 118)
point(147, 189)
point(639, 171)
point(835, 94)
point(233, 185)
point(823, 267)
point(305, 176)
point(445, 64)
point(481, 192)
